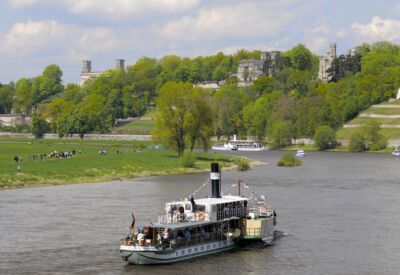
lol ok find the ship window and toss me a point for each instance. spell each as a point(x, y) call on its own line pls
point(176, 253)
point(208, 246)
point(189, 250)
point(199, 207)
point(188, 206)
point(195, 249)
point(183, 252)
point(202, 248)
point(214, 245)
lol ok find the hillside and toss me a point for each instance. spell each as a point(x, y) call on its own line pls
point(138, 126)
point(387, 114)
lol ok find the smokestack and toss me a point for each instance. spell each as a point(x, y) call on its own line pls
point(215, 177)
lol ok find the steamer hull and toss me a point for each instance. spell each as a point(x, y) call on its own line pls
point(139, 256)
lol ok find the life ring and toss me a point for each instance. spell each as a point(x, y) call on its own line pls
point(201, 216)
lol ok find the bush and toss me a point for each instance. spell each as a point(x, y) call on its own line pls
point(242, 164)
point(289, 160)
point(281, 134)
point(325, 138)
point(188, 161)
point(39, 126)
point(357, 143)
point(374, 138)
point(380, 144)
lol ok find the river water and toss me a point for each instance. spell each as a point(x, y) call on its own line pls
point(337, 214)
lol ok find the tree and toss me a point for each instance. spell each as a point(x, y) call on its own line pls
point(357, 142)
point(325, 138)
point(170, 121)
point(375, 140)
point(263, 84)
point(7, 93)
point(281, 134)
point(185, 116)
point(301, 58)
point(48, 84)
point(39, 125)
point(23, 103)
point(199, 122)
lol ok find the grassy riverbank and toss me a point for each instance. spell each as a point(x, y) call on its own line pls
point(123, 160)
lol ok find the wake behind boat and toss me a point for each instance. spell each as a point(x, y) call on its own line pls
point(192, 228)
point(240, 145)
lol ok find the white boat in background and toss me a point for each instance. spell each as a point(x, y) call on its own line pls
point(396, 152)
point(300, 153)
point(192, 228)
point(240, 145)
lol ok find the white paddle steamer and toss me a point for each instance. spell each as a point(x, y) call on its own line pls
point(197, 227)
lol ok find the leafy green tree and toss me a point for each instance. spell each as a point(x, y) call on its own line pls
point(281, 134)
point(185, 116)
point(23, 103)
point(170, 121)
point(376, 141)
point(256, 116)
point(357, 142)
point(301, 58)
point(7, 93)
point(229, 102)
point(48, 84)
point(39, 125)
point(325, 138)
point(263, 84)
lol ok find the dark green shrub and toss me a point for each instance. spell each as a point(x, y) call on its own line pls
point(357, 143)
point(325, 138)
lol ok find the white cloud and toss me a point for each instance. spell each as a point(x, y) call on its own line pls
point(378, 29)
point(240, 20)
point(32, 36)
point(116, 8)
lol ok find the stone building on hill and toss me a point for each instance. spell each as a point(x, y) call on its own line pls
point(88, 74)
point(251, 69)
point(333, 67)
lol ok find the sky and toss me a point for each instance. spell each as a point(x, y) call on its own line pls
point(37, 33)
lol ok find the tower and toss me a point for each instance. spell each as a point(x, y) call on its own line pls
point(119, 64)
point(86, 66)
point(332, 51)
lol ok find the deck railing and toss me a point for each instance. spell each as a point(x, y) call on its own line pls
point(231, 212)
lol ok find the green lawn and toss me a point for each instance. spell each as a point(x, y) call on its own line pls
point(366, 120)
point(89, 166)
point(397, 102)
point(383, 111)
point(137, 127)
point(346, 133)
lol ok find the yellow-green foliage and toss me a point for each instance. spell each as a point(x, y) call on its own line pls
point(289, 160)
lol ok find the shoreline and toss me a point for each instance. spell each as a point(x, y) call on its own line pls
point(142, 174)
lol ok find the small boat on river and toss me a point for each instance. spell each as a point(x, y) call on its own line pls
point(396, 152)
point(240, 145)
point(192, 228)
point(300, 153)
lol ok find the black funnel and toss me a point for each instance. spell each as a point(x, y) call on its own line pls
point(215, 180)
